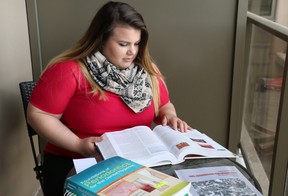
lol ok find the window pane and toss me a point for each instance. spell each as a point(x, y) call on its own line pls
point(261, 7)
point(263, 90)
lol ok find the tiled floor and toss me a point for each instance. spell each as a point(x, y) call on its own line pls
point(39, 192)
point(258, 133)
point(253, 161)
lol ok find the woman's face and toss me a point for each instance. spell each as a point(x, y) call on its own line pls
point(122, 46)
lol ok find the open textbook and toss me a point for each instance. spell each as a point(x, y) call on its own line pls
point(222, 180)
point(161, 146)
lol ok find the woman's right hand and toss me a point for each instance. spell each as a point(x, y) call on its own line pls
point(87, 146)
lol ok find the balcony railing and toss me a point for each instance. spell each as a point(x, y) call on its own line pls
point(265, 119)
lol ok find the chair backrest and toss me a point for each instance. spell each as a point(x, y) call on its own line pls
point(26, 89)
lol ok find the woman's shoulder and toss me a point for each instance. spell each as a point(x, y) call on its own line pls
point(63, 70)
point(65, 65)
point(71, 67)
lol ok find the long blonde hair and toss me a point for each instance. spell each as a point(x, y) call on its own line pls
point(100, 29)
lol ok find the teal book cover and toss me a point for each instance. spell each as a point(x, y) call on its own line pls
point(119, 176)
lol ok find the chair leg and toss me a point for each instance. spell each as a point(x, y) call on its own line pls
point(39, 175)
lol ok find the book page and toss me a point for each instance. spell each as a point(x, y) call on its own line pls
point(206, 146)
point(192, 143)
point(138, 144)
point(83, 163)
point(222, 180)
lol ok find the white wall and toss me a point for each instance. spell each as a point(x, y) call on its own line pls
point(281, 17)
point(282, 13)
point(17, 175)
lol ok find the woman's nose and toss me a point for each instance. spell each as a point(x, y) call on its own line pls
point(132, 50)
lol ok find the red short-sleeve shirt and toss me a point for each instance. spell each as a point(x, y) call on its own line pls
point(63, 89)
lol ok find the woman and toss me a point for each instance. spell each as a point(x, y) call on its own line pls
point(106, 82)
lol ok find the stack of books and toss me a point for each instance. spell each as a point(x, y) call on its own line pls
point(120, 176)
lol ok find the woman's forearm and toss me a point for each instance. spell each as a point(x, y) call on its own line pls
point(166, 110)
point(52, 129)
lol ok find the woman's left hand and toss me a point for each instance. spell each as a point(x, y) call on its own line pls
point(175, 123)
point(167, 116)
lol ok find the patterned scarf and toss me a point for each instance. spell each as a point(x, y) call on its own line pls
point(131, 84)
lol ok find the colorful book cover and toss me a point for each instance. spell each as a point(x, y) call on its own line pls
point(119, 176)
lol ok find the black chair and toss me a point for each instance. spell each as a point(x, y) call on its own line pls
point(26, 89)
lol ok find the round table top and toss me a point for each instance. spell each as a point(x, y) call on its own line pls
point(197, 163)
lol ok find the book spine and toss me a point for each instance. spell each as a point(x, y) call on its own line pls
point(73, 189)
point(69, 193)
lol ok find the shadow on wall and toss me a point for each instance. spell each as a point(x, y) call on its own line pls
point(16, 160)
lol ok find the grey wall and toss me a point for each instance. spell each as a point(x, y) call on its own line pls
point(193, 49)
point(192, 41)
point(17, 176)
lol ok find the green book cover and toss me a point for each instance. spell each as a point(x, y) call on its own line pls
point(119, 176)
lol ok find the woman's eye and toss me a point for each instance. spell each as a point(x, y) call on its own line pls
point(123, 44)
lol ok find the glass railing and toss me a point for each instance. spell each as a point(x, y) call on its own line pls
point(263, 103)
